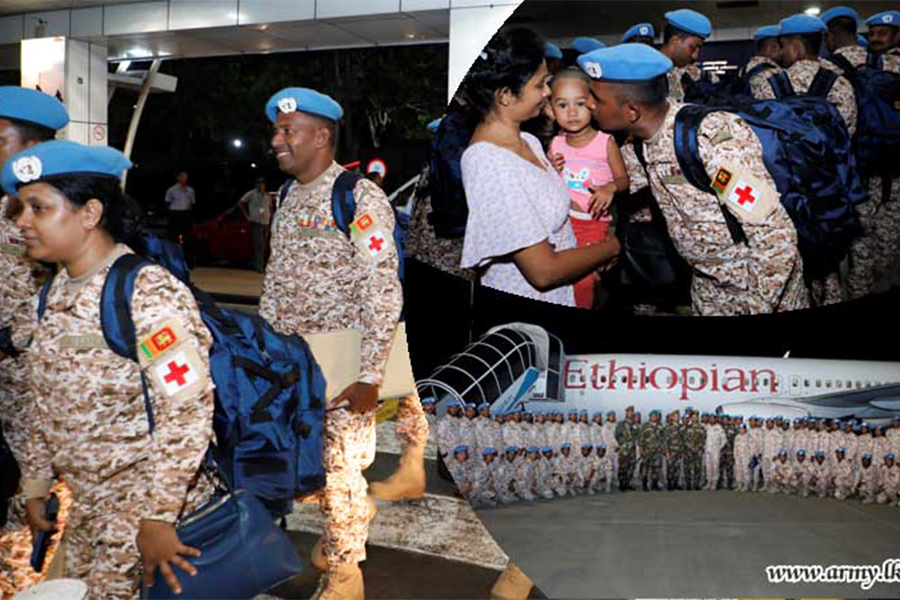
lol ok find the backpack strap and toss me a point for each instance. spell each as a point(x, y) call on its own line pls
point(781, 85)
point(843, 63)
point(756, 70)
point(42, 298)
point(822, 83)
point(875, 61)
point(115, 315)
point(687, 151)
point(343, 203)
point(283, 192)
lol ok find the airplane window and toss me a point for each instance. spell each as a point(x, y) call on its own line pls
point(806, 383)
point(828, 384)
point(858, 383)
point(849, 384)
point(818, 383)
point(839, 384)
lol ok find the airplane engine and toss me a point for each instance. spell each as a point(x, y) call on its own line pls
point(765, 410)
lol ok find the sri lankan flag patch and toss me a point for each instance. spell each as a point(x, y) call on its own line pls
point(361, 225)
point(721, 180)
point(160, 341)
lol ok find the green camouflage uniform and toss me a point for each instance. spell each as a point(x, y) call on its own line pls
point(727, 465)
point(626, 436)
point(695, 440)
point(651, 441)
point(673, 436)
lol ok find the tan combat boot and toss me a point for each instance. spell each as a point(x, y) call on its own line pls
point(408, 481)
point(317, 555)
point(341, 582)
point(512, 584)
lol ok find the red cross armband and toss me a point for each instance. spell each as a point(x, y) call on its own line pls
point(172, 364)
point(746, 196)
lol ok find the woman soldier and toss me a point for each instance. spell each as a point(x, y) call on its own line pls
point(130, 481)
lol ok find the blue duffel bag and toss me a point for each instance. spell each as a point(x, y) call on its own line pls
point(243, 552)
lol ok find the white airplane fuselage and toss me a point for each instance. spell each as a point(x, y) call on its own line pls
point(734, 385)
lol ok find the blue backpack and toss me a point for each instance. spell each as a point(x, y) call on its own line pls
point(270, 393)
point(878, 116)
point(343, 208)
point(808, 152)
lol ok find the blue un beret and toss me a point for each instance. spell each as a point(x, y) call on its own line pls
point(890, 18)
point(861, 41)
point(583, 45)
point(802, 24)
point(768, 31)
point(610, 412)
point(639, 30)
point(31, 106)
point(889, 455)
point(61, 157)
point(512, 449)
point(552, 51)
point(305, 100)
point(429, 401)
point(433, 126)
point(583, 446)
point(625, 62)
point(690, 21)
point(462, 448)
point(566, 445)
point(546, 449)
point(838, 11)
point(533, 449)
point(488, 450)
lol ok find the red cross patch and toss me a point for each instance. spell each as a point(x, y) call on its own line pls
point(375, 244)
point(176, 373)
point(744, 195)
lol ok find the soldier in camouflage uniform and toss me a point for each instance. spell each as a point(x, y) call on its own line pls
point(763, 275)
point(684, 34)
point(652, 451)
point(673, 439)
point(727, 461)
point(27, 117)
point(89, 424)
point(626, 437)
point(801, 37)
point(768, 53)
point(318, 280)
point(695, 440)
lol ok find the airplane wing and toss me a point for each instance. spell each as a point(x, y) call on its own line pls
point(884, 397)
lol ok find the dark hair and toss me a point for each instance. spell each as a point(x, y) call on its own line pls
point(32, 132)
point(670, 31)
point(123, 218)
point(842, 25)
point(761, 44)
point(650, 93)
point(571, 73)
point(812, 42)
point(509, 60)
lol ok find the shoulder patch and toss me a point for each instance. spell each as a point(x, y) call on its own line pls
point(367, 234)
point(747, 197)
point(165, 337)
point(179, 373)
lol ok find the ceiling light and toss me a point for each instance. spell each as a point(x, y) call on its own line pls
point(237, 143)
point(813, 11)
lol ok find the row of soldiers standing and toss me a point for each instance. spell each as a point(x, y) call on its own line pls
point(690, 451)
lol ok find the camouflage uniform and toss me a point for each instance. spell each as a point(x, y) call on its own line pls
point(503, 478)
point(760, 81)
point(462, 476)
point(827, 289)
point(867, 488)
point(743, 453)
point(652, 444)
point(90, 425)
point(766, 275)
point(727, 461)
point(673, 436)
point(626, 437)
point(422, 243)
point(675, 76)
point(22, 278)
point(844, 479)
point(695, 439)
point(888, 484)
point(318, 281)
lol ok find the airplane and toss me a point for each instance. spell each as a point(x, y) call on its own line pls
point(522, 366)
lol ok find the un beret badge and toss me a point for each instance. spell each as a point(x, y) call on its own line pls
point(593, 69)
point(27, 168)
point(287, 105)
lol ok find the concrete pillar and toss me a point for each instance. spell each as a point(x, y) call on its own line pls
point(472, 24)
point(74, 71)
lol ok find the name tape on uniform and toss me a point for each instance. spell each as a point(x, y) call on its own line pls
point(748, 198)
point(173, 365)
point(369, 237)
point(83, 342)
